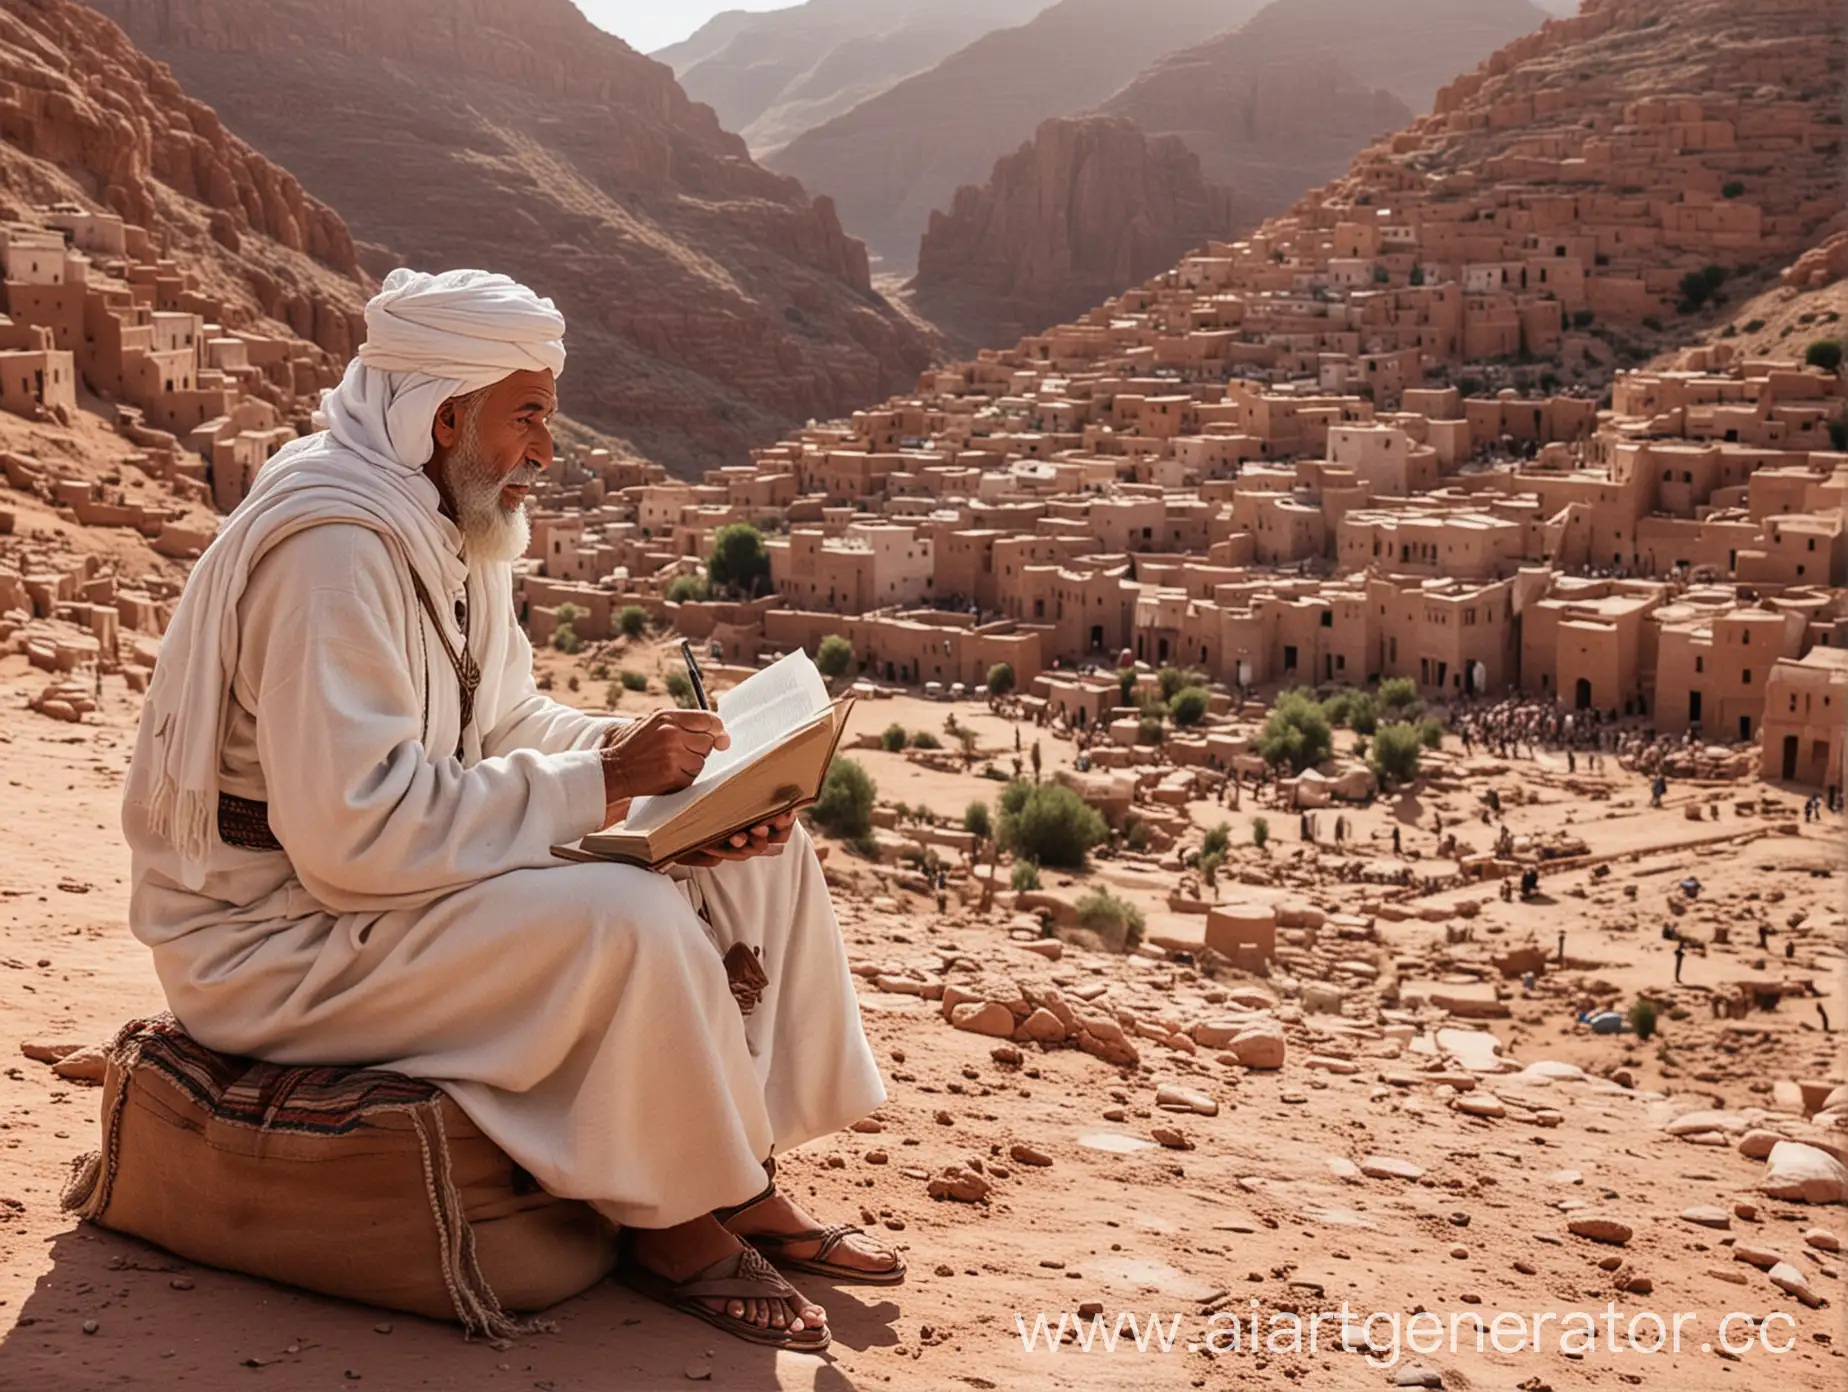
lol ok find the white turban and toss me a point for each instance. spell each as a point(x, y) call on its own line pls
point(431, 337)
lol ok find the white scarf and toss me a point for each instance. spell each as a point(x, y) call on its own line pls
point(428, 338)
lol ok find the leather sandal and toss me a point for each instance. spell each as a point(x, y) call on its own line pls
point(773, 1245)
point(744, 1275)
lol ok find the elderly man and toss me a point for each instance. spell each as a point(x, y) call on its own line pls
point(342, 807)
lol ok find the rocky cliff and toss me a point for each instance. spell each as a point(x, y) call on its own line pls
point(891, 160)
point(1086, 207)
point(711, 302)
point(1285, 100)
point(772, 75)
point(87, 118)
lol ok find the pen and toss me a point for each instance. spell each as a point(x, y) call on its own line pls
point(699, 686)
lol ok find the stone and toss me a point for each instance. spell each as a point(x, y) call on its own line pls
point(1023, 1154)
point(964, 1186)
point(1804, 1174)
point(1042, 1026)
point(1175, 1098)
point(1389, 1167)
point(1600, 1230)
point(1261, 1046)
point(1049, 948)
point(47, 1053)
point(699, 1371)
point(1707, 1217)
point(1823, 1240)
point(989, 1017)
point(1761, 1257)
point(1325, 1064)
point(1745, 1211)
point(1343, 1169)
point(1114, 1142)
point(1477, 1051)
point(1757, 1144)
point(1412, 1375)
point(1794, 1283)
point(1692, 1123)
point(1632, 1282)
point(1319, 998)
point(1006, 1055)
point(1170, 1136)
point(85, 1065)
point(1479, 1105)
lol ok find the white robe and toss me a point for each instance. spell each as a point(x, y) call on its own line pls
point(418, 921)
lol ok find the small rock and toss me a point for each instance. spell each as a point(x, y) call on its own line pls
point(1389, 1167)
point(1720, 1273)
point(987, 1017)
point(1414, 1376)
point(867, 1126)
point(47, 1053)
point(381, 1328)
point(1175, 1098)
point(699, 1371)
point(1170, 1137)
point(1745, 1211)
point(1006, 1055)
point(1459, 1252)
point(1707, 1217)
point(1526, 1268)
point(1023, 1154)
point(875, 1157)
point(181, 1283)
point(1633, 1282)
point(1049, 948)
point(1600, 1230)
point(91, 1326)
point(1479, 1105)
point(1761, 1257)
point(1823, 1240)
point(964, 1186)
point(1784, 1276)
point(1042, 1025)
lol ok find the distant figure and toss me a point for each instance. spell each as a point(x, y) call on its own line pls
point(1571, 762)
point(1656, 790)
point(1304, 828)
point(1824, 1015)
point(1562, 947)
point(1681, 950)
point(1764, 935)
point(1395, 840)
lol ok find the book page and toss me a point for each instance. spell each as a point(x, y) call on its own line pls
point(759, 713)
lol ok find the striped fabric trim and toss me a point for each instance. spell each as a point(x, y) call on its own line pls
point(320, 1100)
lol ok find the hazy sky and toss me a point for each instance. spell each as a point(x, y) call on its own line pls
point(650, 24)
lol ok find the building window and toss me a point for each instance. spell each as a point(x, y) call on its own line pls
point(1746, 676)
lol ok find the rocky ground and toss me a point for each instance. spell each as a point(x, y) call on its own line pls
point(1491, 1158)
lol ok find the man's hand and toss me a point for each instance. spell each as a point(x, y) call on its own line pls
point(662, 753)
point(766, 838)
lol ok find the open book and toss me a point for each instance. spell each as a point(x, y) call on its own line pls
point(783, 730)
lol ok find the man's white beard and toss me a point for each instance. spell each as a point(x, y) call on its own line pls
point(490, 531)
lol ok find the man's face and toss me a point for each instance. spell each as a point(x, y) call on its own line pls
point(491, 448)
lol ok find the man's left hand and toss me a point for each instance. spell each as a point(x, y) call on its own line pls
point(766, 838)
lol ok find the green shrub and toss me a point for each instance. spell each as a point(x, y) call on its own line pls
point(1824, 353)
point(1338, 707)
point(1148, 729)
point(1049, 824)
point(1137, 836)
point(1210, 866)
point(1431, 733)
point(976, 821)
point(738, 563)
point(680, 689)
point(924, 739)
point(688, 588)
point(1218, 841)
point(1126, 684)
point(1024, 878)
point(1188, 706)
point(845, 806)
point(1117, 921)
point(1000, 680)
point(893, 739)
point(612, 695)
point(632, 622)
point(834, 657)
point(632, 680)
point(1175, 679)
point(1296, 734)
point(1260, 831)
point(565, 639)
point(1642, 1017)
point(1363, 713)
point(1399, 695)
point(1396, 750)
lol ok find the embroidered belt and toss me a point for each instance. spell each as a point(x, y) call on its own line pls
point(244, 823)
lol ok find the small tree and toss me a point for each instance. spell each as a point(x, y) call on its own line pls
point(1825, 353)
point(564, 635)
point(688, 588)
point(1148, 728)
point(834, 658)
point(1049, 824)
point(893, 739)
point(1175, 679)
point(1033, 757)
point(1431, 733)
point(1210, 866)
point(1218, 841)
point(1396, 749)
point(1398, 695)
point(632, 680)
point(1188, 706)
point(1117, 921)
point(1126, 684)
point(1297, 734)
point(612, 695)
point(976, 821)
point(1000, 680)
point(1025, 877)
point(738, 563)
point(1260, 832)
point(681, 689)
point(1363, 713)
point(632, 621)
point(1642, 1017)
point(924, 739)
point(845, 807)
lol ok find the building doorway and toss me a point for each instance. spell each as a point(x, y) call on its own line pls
point(1097, 636)
point(1745, 727)
point(1582, 694)
point(1790, 756)
point(1693, 708)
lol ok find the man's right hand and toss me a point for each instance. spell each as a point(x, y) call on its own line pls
point(661, 753)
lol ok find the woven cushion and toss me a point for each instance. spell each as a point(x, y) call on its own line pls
point(353, 1182)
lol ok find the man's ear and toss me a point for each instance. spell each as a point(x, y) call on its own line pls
point(443, 429)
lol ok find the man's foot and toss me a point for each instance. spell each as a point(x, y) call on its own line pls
point(680, 1253)
point(778, 1215)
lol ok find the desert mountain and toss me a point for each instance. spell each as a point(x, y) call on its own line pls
point(772, 75)
point(1087, 206)
point(711, 302)
point(890, 160)
point(86, 119)
point(1283, 102)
